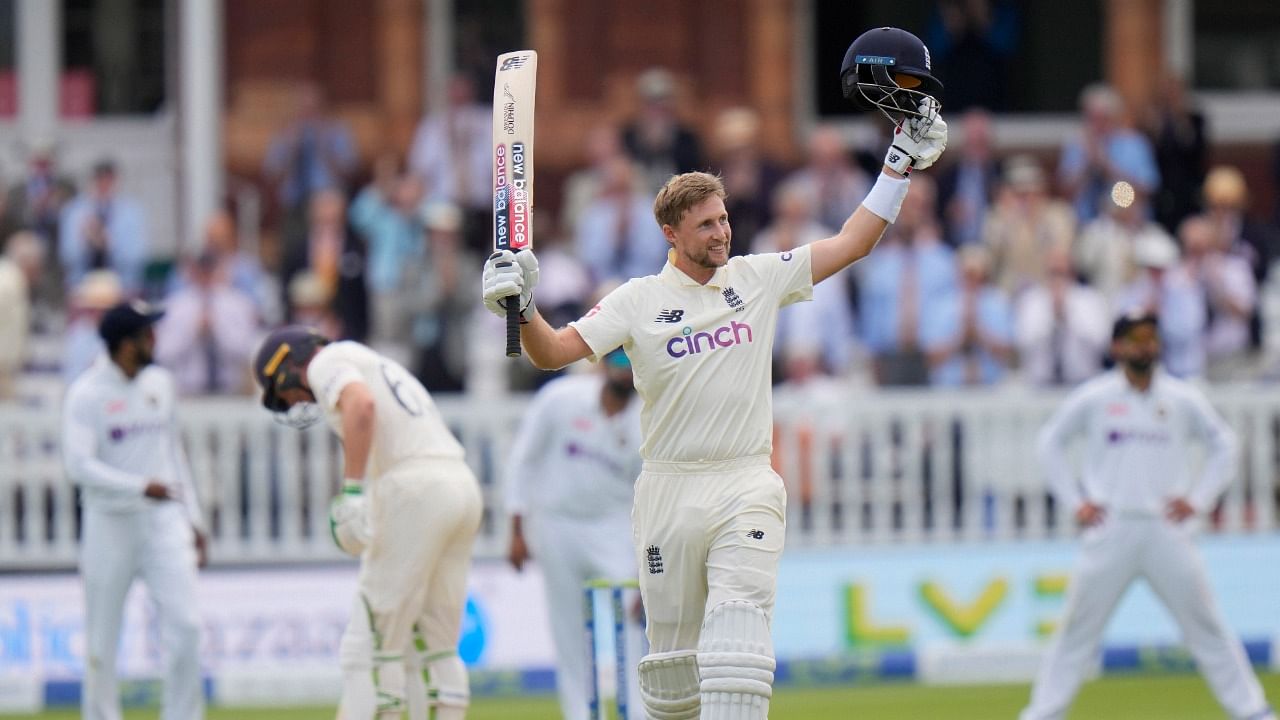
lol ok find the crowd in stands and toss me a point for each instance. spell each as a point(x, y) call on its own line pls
point(1001, 267)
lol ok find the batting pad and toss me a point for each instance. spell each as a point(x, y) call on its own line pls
point(669, 685)
point(735, 659)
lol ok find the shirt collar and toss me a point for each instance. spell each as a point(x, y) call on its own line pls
point(109, 370)
point(675, 276)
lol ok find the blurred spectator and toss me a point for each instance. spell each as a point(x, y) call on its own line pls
point(208, 332)
point(314, 152)
point(103, 229)
point(1163, 287)
point(81, 343)
point(816, 337)
point(603, 145)
point(21, 267)
point(1178, 135)
point(656, 138)
point(1062, 326)
point(967, 188)
point(617, 236)
point(1230, 293)
point(1024, 225)
point(388, 214)
point(311, 303)
point(1104, 251)
point(909, 278)
point(970, 341)
point(242, 269)
point(749, 177)
point(444, 300)
point(317, 245)
point(451, 155)
point(1105, 153)
point(35, 201)
point(1226, 199)
point(974, 42)
point(831, 177)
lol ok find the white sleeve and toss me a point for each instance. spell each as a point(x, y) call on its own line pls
point(1051, 450)
point(608, 325)
point(182, 466)
point(1223, 451)
point(525, 461)
point(789, 275)
point(328, 374)
point(80, 452)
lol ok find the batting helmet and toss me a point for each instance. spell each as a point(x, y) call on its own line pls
point(280, 362)
point(889, 69)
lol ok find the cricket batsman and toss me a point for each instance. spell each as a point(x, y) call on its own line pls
point(571, 478)
point(122, 445)
point(409, 507)
point(1138, 503)
point(709, 514)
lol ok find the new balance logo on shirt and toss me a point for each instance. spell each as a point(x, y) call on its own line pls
point(670, 316)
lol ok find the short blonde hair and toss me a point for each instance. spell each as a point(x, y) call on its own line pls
point(683, 192)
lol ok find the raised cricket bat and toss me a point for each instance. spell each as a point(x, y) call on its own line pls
point(513, 92)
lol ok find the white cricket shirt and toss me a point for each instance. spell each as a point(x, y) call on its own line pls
point(1137, 446)
point(569, 458)
point(119, 434)
point(407, 424)
point(702, 354)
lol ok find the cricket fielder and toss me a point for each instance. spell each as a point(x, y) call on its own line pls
point(708, 520)
point(1138, 504)
point(122, 446)
point(409, 507)
point(571, 477)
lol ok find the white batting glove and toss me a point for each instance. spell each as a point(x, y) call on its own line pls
point(349, 520)
point(906, 154)
point(506, 275)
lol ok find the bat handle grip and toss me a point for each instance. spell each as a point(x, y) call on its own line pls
point(513, 326)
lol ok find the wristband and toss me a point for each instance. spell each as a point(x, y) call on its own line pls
point(353, 486)
point(885, 198)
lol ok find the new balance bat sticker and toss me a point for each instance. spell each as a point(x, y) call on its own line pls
point(514, 83)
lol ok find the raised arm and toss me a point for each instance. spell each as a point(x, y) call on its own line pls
point(512, 276)
point(879, 209)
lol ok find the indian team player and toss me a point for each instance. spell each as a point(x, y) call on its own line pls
point(121, 445)
point(409, 507)
point(1139, 504)
point(708, 520)
point(571, 477)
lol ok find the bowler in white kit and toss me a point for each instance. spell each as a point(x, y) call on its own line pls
point(122, 446)
point(571, 477)
point(708, 520)
point(1139, 505)
point(409, 507)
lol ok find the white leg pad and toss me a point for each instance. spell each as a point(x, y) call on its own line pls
point(669, 685)
point(447, 684)
point(735, 661)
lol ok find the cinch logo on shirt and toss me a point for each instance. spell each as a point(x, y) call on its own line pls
point(1120, 435)
point(691, 343)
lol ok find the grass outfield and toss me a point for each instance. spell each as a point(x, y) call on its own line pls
point(1172, 697)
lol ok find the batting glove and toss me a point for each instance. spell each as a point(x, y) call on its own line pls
point(506, 275)
point(907, 154)
point(349, 520)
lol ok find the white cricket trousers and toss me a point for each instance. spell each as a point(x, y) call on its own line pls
point(570, 551)
point(156, 545)
point(1114, 554)
point(424, 517)
point(705, 534)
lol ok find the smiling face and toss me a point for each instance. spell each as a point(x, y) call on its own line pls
point(701, 238)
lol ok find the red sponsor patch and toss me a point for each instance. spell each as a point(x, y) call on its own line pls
point(583, 424)
point(592, 311)
point(1115, 409)
point(116, 406)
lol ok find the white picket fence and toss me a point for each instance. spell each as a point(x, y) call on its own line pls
point(861, 468)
